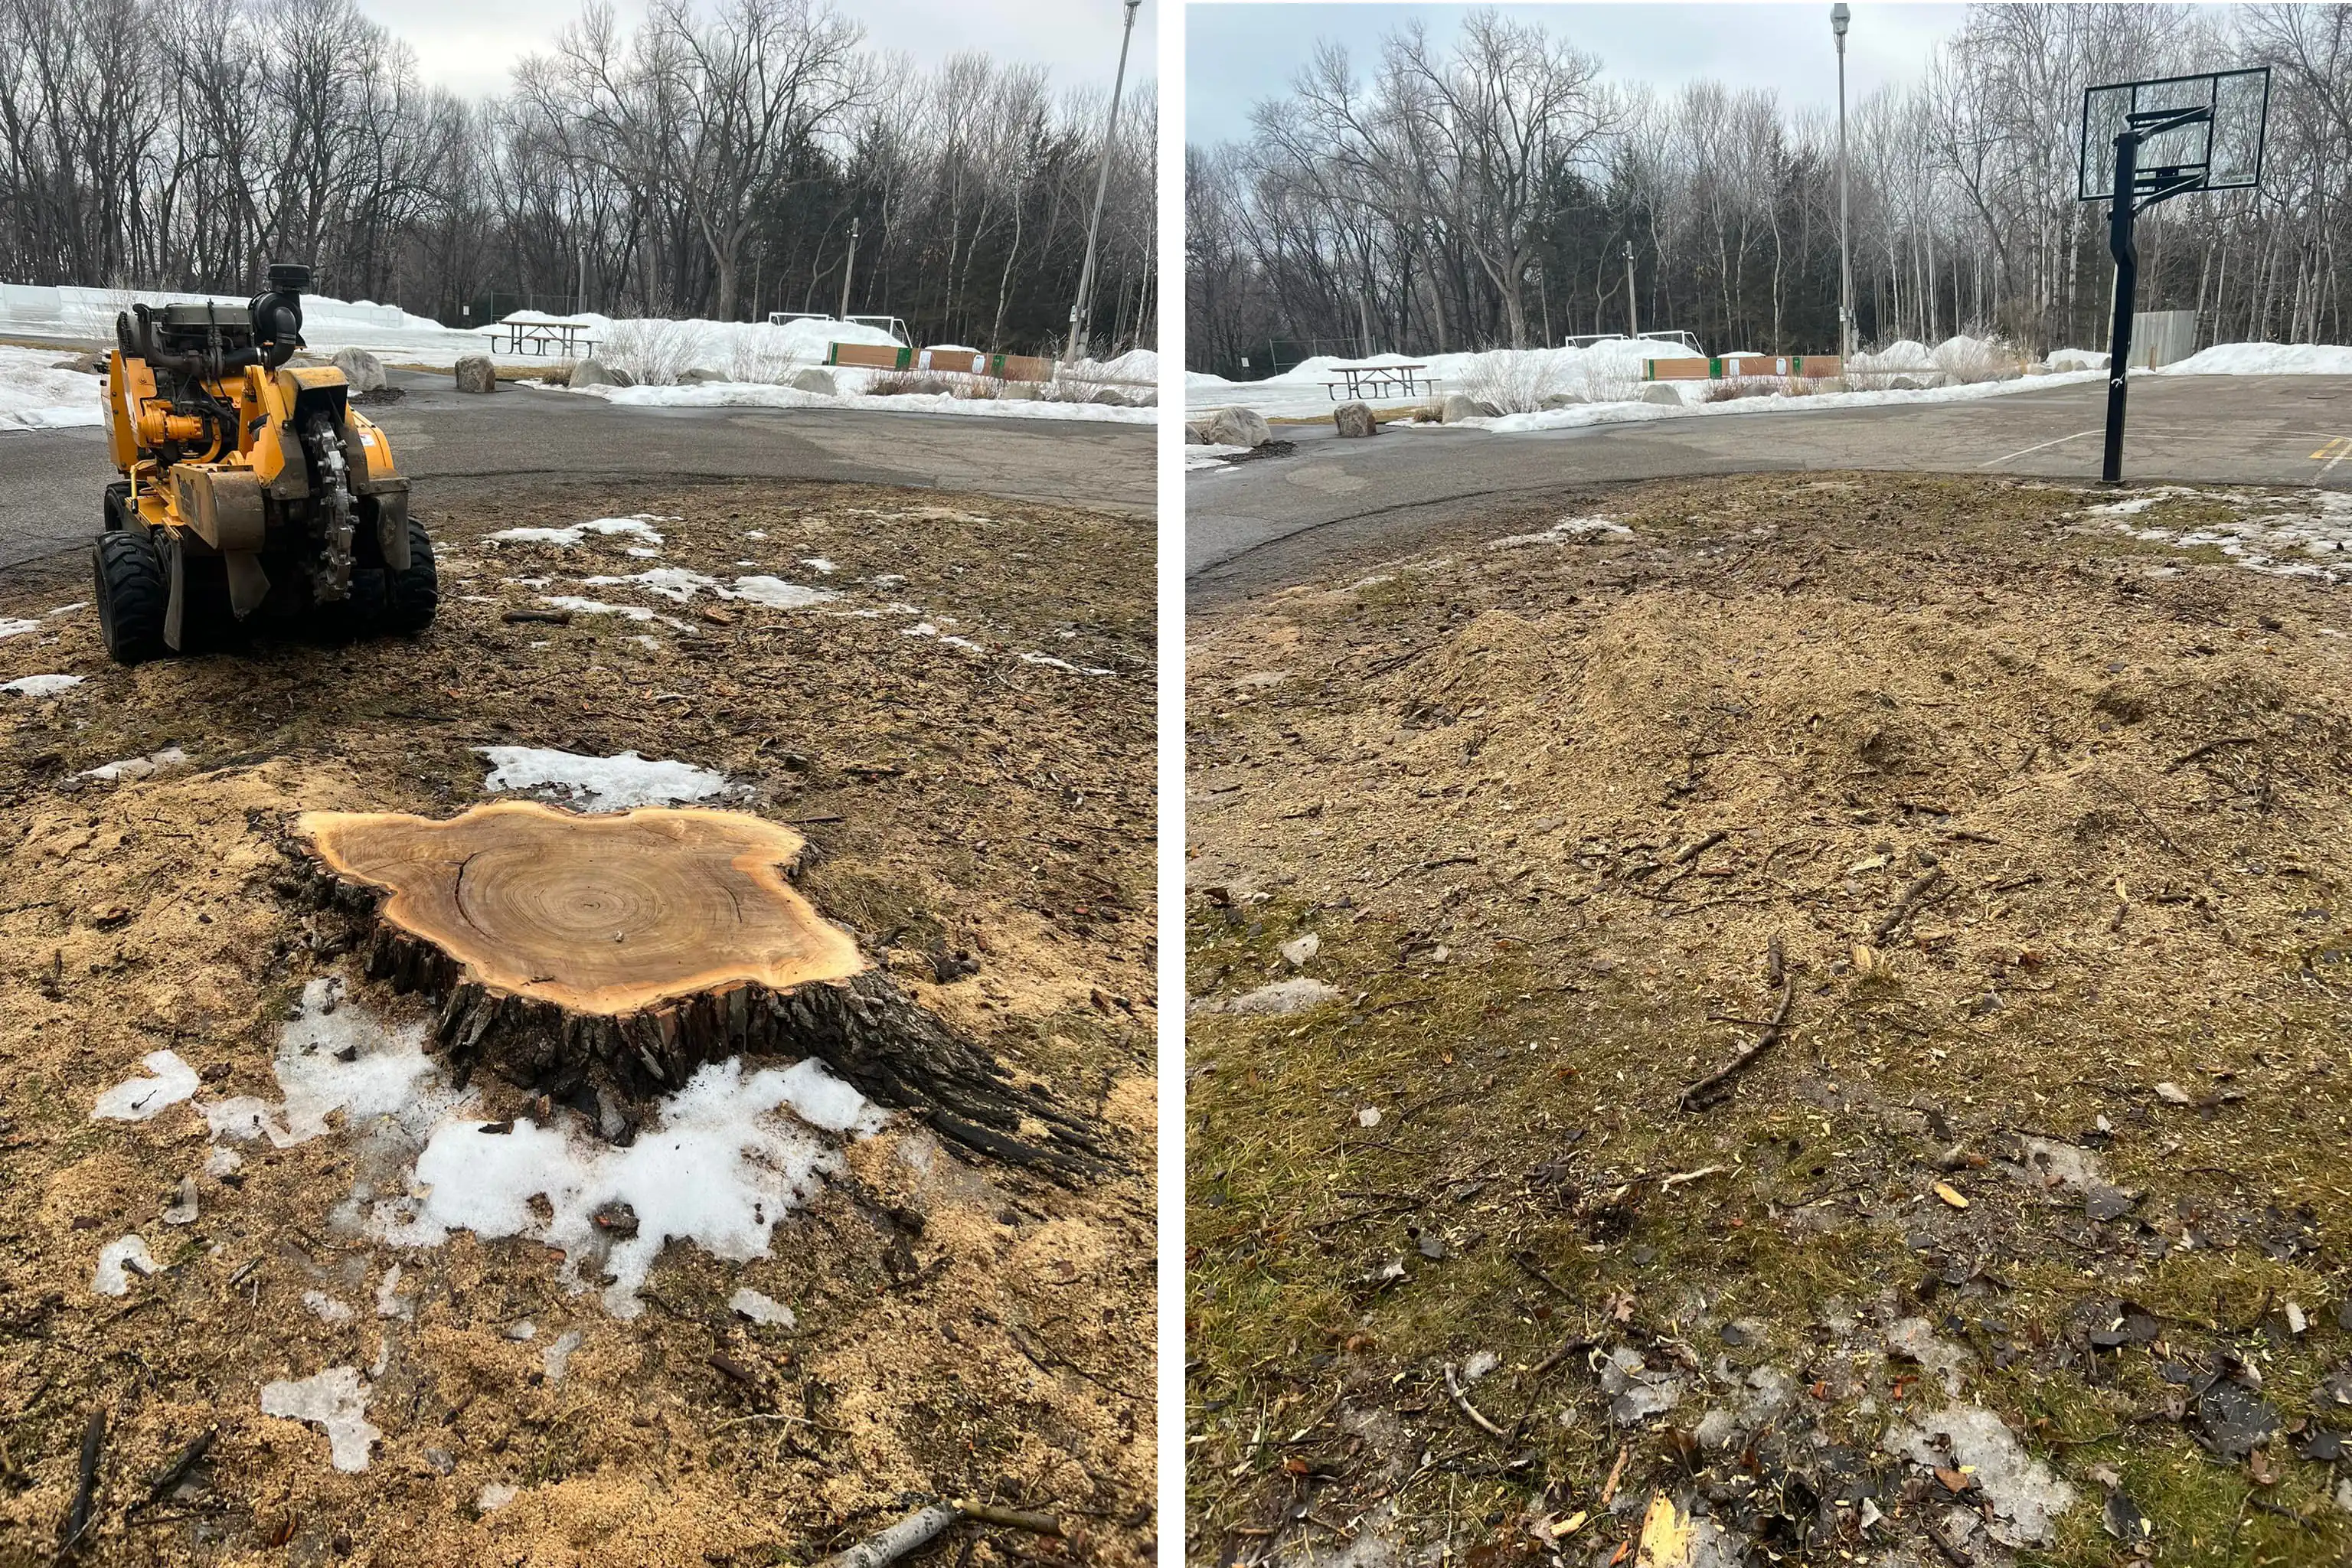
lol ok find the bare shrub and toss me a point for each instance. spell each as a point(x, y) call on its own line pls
point(758, 352)
point(1512, 381)
point(654, 353)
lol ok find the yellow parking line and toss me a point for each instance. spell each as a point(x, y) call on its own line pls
point(2333, 451)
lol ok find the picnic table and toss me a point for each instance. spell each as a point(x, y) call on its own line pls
point(570, 338)
point(1380, 381)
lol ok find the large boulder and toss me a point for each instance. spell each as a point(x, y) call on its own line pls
point(1238, 428)
point(810, 378)
point(1459, 406)
point(1196, 435)
point(1661, 393)
point(1354, 419)
point(594, 373)
point(1112, 397)
point(476, 374)
point(1552, 400)
point(361, 369)
point(700, 375)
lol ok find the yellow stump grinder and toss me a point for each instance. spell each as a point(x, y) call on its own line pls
point(249, 487)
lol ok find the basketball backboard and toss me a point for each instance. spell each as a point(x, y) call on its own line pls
point(2204, 132)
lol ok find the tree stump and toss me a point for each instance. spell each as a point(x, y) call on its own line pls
point(617, 952)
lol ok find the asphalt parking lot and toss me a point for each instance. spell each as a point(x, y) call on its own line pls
point(50, 481)
point(1268, 522)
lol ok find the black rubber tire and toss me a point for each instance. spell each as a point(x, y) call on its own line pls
point(132, 593)
point(117, 506)
point(411, 598)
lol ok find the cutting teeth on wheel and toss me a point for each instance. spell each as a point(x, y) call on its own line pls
point(330, 573)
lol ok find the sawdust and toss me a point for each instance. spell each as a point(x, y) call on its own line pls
point(958, 1330)
point(2019, 815)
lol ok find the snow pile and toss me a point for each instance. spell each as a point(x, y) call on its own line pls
point(638, 527)
point(601, 784)
point(655, 352)
point(41, 685)
point(335, 1400)
point(138, 1099)
point(1606, 371)
point(1568, 529)
point(34, 395)
point(2077, 359)
point(761, 395)
point(718, 1168)
point(1136, 365)
point(2265, 359)
point(117, 1261)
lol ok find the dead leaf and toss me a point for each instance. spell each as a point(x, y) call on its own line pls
point(1666, 1536)
point(2172, 1094)
point(1951, 1195)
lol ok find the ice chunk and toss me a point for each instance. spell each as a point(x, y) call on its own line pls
point(2025, 1494)
point(326, 1308)
point(775, 594)
point(557, 1356)
point(334, 1399)
point(117, 1261)
point(748, 1303)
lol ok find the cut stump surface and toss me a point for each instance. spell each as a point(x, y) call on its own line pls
point(604, 914)
point(609, 956)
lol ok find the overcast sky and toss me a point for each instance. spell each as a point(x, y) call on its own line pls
point(1237, 54)
point(469, 45)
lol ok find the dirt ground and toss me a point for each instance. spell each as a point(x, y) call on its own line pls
point(1994, 848)
point(962, 1331)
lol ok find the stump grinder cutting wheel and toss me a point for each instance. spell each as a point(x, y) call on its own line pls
point(248, 487)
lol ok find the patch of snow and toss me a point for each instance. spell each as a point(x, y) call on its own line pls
point(223, 1163)
point(639, 526)
point(557, 1354)
point(748, 1303)
point(1637, 1391)
point(599, 783)
point(182, 1209)
point(389, 1077)
point(2026, 1496)
point(118, 1260)
point(41, 685)
point(389, 1302)
point(1479, 1364)
point(1049, 660)
point(15, 628)
point(326, 1308)
point(678, 584)
point(817, 563)
point(1565, 530)
point(716, 1168)
point(1293, 996)
point(137, 767)
point(495, 1495)
point(1914, 1339)
point(764, 394)
point(136, 1099)
point(775, 594)
point(579, 606)
point(337, 1401)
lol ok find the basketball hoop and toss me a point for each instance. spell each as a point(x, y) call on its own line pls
point(2149, 141)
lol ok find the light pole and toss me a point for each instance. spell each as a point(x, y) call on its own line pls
point(1838, 16)
point(1085, 302)
point(849, 264)
point(1633, 311)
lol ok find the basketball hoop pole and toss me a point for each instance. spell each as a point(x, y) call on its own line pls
point(2127, 255)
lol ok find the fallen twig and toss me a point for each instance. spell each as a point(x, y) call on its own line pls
point(2208, 749)
point(1909, 901)
point(1461, 1399)
point(1697, 1094)
point(84, 1514)
point(173, 1474)
point(924, 1525)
